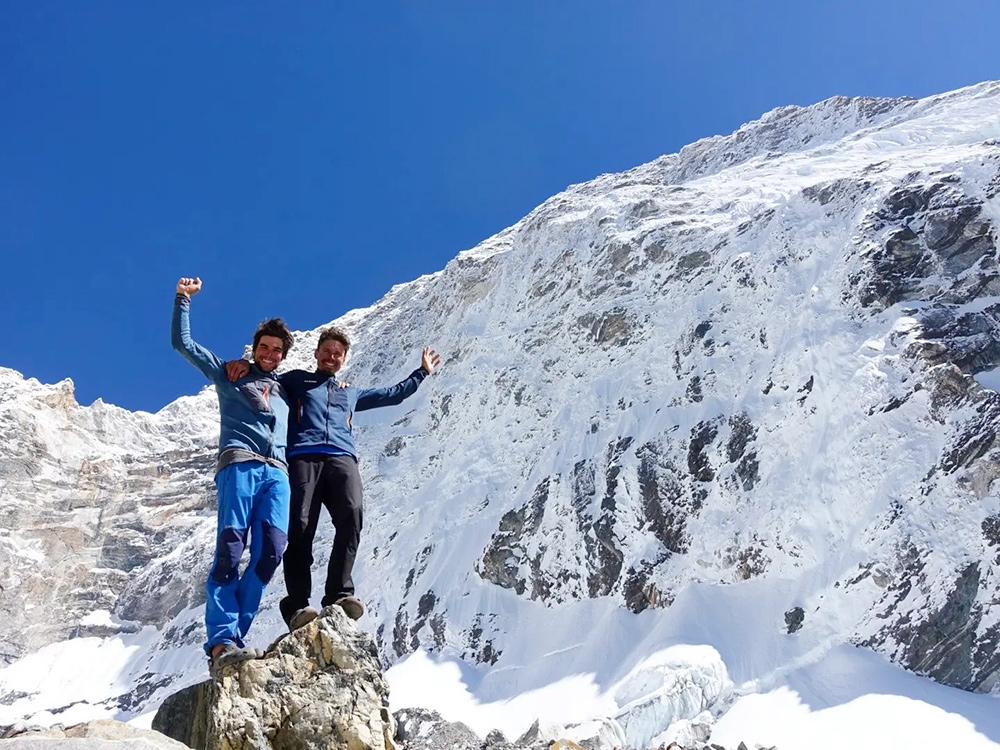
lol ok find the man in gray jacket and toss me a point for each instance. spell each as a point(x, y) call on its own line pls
point(251, 478)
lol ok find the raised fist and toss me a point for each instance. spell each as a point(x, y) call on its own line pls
point(189, 286)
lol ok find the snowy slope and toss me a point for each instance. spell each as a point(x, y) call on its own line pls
point(681, 407)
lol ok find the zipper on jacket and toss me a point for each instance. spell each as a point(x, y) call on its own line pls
point(327, 435)
point(270, 439)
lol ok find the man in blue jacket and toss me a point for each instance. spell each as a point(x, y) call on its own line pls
point(251, 478)
point(323, 469)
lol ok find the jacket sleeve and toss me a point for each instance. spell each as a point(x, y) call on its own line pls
point(180, 336)
point(373, 398)
point(290, 385)
point(287, 379)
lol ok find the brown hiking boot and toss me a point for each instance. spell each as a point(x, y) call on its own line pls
point(302, 617)
point(352, 606)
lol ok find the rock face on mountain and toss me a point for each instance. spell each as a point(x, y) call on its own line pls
point(753, 378)
point(95, 498)
point(319, 687)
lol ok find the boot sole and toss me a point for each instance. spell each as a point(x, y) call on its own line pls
point(234, 656)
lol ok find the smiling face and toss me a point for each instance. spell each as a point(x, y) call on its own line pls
point(269, 352)
point(271, 342)
point(330, 356)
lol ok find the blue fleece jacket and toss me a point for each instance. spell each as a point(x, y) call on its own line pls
point(253, 413)
point(322, 411)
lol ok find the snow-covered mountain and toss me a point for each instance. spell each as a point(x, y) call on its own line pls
point(698, 425)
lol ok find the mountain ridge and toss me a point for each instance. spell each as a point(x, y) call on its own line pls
point(732, 381)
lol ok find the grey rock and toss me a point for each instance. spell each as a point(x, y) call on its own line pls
point(616, 327)
point(184, 716)
point(667, 499)
point(743, 433)
point(694, 260)
point(942, 644)
point(422, 729)
point(929, 228)
point(319, 687)
point(100, 509)
point(515, 557)
point(496, 740)
point(794, 619)
point(103, 734)
point(531, 735)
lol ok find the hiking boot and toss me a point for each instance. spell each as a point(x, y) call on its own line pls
point(231, 654)
point(302, 617)
point(352, 606)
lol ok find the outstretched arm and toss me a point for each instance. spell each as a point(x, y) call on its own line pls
point(180, 332)
point(372, 398)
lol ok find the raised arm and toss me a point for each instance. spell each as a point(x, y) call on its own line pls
point(180, 332)
point(373, 398)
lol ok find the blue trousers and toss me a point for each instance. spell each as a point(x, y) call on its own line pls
point(253, 509)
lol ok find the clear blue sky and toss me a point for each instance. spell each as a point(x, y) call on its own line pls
point(304, 157)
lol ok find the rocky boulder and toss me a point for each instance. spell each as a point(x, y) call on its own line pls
point(421, 729)
point(319, 687)
point(103, 734)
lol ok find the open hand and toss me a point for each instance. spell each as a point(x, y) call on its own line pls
point(189, 287)
point(236, 369)
point(430, 360)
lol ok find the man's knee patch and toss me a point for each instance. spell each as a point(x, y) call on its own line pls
point(228, 551)
point(271, 552)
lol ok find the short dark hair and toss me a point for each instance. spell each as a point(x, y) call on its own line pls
point(334, 334)
point(274, 327)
